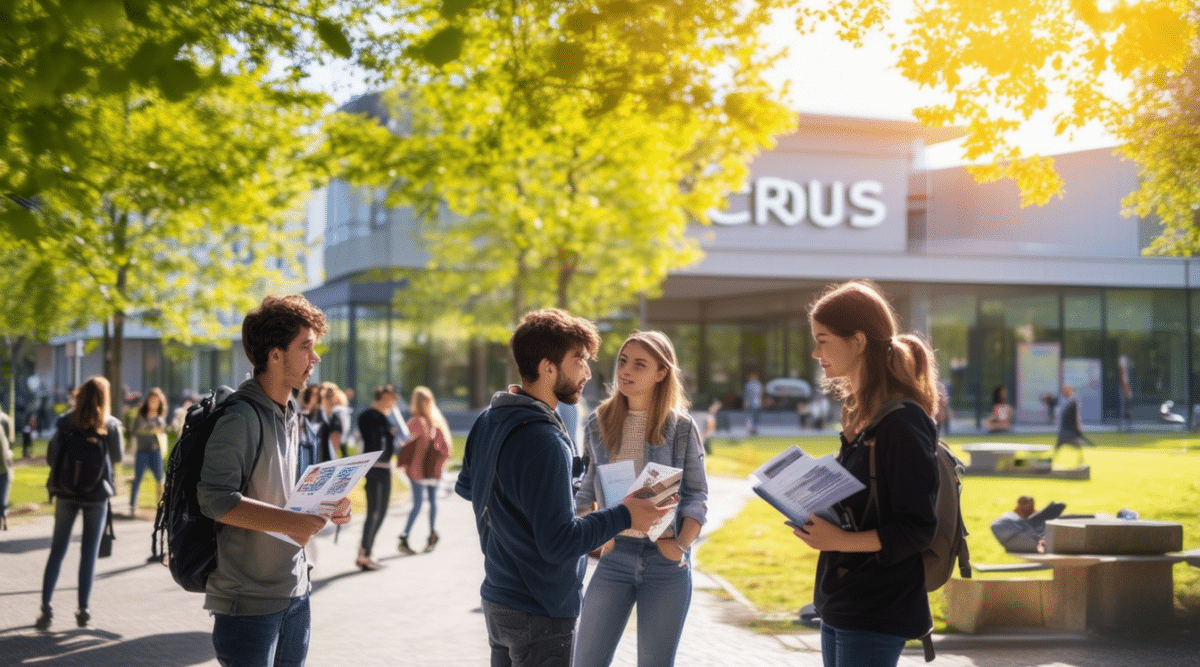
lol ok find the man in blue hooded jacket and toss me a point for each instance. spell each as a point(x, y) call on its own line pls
point(517, 473)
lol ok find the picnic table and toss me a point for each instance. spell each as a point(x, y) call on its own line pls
point(1110, 573)
point(1000, 457)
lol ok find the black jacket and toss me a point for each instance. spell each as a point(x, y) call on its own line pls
point(885, 591)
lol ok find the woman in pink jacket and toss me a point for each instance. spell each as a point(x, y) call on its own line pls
point(431, 442)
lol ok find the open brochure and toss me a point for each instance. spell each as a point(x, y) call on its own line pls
point(657, 482)
point(798, 485)
point(323, 485)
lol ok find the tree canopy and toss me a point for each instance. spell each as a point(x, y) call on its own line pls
point(563, 143)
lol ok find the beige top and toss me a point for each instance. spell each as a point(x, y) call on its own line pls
point(633, 448)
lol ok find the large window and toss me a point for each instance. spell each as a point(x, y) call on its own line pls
point(952, 318)
point(1148, 329)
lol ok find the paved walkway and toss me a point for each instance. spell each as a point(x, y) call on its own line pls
point(420, 610)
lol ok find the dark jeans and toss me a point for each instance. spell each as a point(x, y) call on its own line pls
point(521, 639)
point(64, 520)
point(379, 492)
point(859, 648)
point(267, 640)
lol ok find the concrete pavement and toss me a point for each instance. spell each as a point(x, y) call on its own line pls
point(424, 609)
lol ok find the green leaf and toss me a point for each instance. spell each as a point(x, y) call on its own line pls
point(452, 8)
point(19, 222)
point(568, 60)
point(334, 37)
point(177, 79)
point(113, 80)
point(444, 47)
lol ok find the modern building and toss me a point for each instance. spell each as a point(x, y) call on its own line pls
point(1029, 298)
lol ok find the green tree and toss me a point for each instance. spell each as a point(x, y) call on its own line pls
point(1163, 136)
point(558, 157)
point(189, 213)
point(1130, 66)
point(59, 57)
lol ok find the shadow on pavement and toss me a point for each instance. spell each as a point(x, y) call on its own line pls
point(87, 647)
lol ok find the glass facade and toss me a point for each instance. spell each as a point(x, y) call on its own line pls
point(982, 336)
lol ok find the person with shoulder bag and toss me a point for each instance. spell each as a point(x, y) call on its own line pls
point(644, 420)
point(378, 435)
point(870, 590)
point(429, 446)
point(86, 447)
point(150, 436)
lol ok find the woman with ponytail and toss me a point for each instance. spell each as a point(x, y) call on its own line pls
point(870, 588)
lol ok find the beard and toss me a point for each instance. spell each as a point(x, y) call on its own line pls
point(567, 391)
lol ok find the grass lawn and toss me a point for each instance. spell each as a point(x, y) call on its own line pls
point(1152, 473)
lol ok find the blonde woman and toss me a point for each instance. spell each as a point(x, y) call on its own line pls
point(335, 406)
point(432, 441)
point(644, 419)
point(90, 423)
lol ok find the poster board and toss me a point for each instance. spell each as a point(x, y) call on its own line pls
point(1038, 372)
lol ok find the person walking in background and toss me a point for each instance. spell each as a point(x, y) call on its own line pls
point(752, 395)
point(432, 442)
point(314, 439)
point(6, 468)
point(378, 435)
point(337, 416)
point(643, 420)
point(28, 430)
point(1000, 419)
point(1070, 426)
point(88, 425)
point(150, 440)
point(259, 592)
point(517, 473)
point(870, 584)
point(1124, 396)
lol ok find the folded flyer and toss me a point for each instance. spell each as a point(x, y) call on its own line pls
point(798, 485)
point(323, 485)
point(658, 482)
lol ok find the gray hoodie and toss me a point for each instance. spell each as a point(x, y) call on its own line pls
point(256, 573)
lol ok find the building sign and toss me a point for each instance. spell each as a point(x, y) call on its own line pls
point(822, 205)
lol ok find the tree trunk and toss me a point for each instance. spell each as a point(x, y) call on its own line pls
point(512, 374)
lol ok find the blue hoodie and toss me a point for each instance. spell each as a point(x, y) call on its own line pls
point(517, 474)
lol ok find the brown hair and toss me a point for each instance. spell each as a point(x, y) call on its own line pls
point(669, 394)
point(144, 410)
point(93, 402)
point(275, 323)
point(893, 364)
point(549, 334)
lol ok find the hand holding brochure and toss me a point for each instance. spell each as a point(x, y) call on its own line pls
point(658, 482)
point(798, 485)
point(323, 485)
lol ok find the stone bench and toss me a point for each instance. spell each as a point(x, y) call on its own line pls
point(976, 604)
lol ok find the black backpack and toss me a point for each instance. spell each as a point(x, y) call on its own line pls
point(82, 470)
point(181, 530)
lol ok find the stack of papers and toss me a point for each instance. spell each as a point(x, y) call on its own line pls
point(798, 485)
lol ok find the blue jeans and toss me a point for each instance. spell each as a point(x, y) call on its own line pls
point(420, 491)
point(634, 572)
point(143, 460)
point(64, 520)
point(859, 648)
point(5, 485)
point(521, 639)
point(267, 640)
